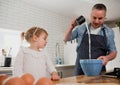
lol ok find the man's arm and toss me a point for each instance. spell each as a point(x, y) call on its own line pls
point(111, 55)
point(108, 57)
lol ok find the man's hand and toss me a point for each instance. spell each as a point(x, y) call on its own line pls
point(104, 59)
point(73, 23)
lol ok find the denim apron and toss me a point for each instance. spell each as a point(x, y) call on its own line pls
point(98, 48)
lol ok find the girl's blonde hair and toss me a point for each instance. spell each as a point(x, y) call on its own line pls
point(37, 31)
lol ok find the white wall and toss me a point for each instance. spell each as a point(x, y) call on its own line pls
point(18, 15)
point(70, 54)
point(116, 62)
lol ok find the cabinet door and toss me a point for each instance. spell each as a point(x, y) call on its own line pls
point(66, 71)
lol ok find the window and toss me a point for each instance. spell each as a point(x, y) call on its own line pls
point(10, 41)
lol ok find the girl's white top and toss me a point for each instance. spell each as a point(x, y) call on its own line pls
point(37, 63)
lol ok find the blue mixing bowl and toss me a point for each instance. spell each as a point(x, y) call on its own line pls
point(91, 67)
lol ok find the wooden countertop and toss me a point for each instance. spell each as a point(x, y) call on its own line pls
point(85, 80)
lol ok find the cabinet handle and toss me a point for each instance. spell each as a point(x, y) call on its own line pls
point(61, 74)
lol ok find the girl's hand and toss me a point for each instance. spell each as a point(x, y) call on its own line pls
point(54, 76)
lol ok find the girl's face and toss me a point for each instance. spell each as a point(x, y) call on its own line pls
point(42, 40)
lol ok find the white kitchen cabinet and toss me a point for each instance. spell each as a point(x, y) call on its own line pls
point(6, 70)
point(65, 70)
point(116, 62)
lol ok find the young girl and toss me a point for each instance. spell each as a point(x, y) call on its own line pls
point(34, 59)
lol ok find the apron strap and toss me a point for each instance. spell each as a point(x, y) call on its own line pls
point(105, 38)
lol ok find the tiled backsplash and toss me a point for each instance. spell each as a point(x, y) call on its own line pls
point(18, 15)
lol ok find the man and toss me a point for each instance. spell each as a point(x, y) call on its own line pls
point(102, 38)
